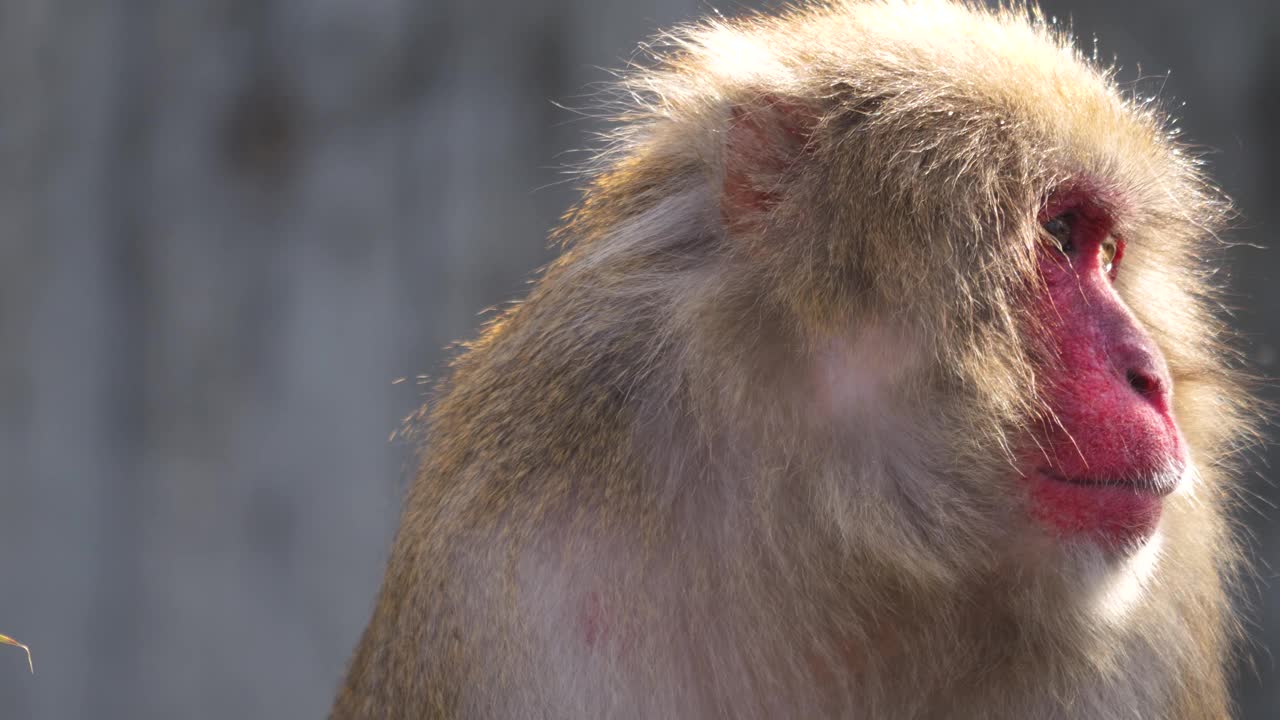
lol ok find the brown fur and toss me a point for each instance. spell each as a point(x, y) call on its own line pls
point(636, 498)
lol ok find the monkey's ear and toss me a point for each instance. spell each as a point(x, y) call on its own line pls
point(763, 141)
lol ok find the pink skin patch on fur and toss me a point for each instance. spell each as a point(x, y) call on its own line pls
point(591, 619)
point(597, 622)
point(1110, 451)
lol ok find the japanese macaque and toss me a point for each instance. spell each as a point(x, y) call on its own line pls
point(879, 378)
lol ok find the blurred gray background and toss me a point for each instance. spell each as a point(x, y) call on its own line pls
point(227, 226)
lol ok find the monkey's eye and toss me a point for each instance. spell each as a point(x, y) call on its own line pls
point(1107, 254)
point(1064, 230)
point(1061, 229)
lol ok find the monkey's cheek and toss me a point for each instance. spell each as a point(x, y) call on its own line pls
point(1116, 517)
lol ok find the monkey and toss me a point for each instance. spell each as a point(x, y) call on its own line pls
point(881, 375)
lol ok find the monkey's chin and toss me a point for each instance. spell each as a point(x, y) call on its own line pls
point(1119, 516)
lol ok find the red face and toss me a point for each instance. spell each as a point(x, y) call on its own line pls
point(1102, 464)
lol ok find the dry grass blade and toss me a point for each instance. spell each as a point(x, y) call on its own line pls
point(6, 640)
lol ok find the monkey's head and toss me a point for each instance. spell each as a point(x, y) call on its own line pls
point(957, 283)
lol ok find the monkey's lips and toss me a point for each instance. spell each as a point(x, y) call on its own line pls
point(1118, 513)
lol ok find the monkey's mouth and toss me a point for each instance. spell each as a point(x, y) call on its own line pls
point(1117, 512)
point(1159, 484)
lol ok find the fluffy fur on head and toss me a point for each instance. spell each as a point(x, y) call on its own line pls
point(748, 448)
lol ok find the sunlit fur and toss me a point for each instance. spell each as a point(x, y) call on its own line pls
point(746, 450)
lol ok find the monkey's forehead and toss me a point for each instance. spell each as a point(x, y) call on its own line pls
point(951, 72)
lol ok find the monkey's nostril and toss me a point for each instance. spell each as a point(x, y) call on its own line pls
point(1143, 384)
